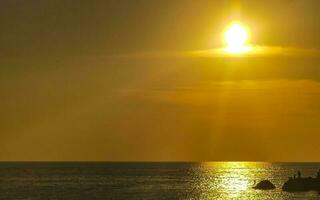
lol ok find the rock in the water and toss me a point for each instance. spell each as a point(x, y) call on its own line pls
point(302, 185)
point(265, 185)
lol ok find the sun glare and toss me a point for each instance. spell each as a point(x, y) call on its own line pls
point(236, 38)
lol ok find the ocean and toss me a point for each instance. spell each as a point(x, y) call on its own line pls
point(147, 180)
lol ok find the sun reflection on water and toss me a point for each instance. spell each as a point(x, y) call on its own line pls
point(236, 178)
point(228, 180)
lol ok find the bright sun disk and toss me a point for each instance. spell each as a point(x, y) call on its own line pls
point(236, 38)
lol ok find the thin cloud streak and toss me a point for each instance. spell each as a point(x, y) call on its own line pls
point(260, 51)
point(256, 51)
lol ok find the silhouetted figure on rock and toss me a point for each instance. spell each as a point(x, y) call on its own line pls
point(302, 184)
point(318, 174)
point(299, 174)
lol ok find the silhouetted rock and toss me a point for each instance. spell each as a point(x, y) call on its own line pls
point(265, 185)
point(302, 185)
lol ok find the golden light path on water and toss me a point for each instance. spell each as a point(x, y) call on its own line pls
point(231, 180)
point(236, 180)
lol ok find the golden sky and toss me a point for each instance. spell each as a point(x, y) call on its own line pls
point(136, 80)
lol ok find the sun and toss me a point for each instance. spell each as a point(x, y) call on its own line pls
point(236, 38)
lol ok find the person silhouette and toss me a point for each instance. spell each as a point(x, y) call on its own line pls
point(299, 174)
point(318, 174)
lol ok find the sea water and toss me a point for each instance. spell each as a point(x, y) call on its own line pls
point(105, 180)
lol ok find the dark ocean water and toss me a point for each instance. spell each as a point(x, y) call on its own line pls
point(89, 181)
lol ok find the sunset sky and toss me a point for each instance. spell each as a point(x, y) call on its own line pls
point(123, 80)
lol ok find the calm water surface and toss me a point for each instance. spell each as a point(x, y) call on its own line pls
point(89, 181)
